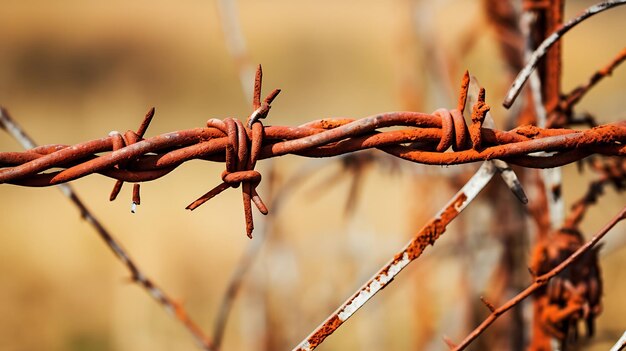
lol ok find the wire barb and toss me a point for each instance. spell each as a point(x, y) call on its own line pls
point(119, 142)
point(451, 345)
point(261, 109)
point(135, 159)
point(242, 153)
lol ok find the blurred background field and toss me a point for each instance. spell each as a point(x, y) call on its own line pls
point(72, 71)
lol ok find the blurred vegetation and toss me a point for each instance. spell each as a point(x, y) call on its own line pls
point(71, 71)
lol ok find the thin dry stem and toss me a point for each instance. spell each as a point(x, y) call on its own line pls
point(170, 305)
point(541, 51)
point(574, 96)
point(540, 281)
point(236, 43)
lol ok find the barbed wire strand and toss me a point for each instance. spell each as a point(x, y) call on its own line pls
point(432, 135)
point(161, 154)
point(539, 282)
point(171, 306)
point(542, 49)
point(317, 140)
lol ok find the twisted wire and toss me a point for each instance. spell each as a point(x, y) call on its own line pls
point(442, 138)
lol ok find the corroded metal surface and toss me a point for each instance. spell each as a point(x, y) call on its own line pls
point(441, 138)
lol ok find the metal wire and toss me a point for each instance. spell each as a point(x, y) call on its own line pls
point(426, 139)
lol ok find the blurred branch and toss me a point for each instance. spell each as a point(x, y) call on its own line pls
point(276, 199)
point(236, 43)
point(503, 18)
point(173, 307)
point(540, 282)
point(610, 173)
point(568, 101)
point(551, 40)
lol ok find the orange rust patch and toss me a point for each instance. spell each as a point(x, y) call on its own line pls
point(334, 123)
point(605, 134)
point(463, 95)
point(529, 131)
point(329, 327)
point(478, 116)
point(433, 230)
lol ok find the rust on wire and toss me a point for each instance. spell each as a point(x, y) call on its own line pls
point(240, 161)
point(575, 295)
point(119, 142)
point(426, 139)
point(563, 297)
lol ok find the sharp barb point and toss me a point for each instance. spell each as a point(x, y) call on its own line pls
point(448, 342)
point(487, 304)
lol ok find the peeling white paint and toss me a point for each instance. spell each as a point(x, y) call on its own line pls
point(471, 189)
point(170, 309)
point(254, 117)
point(305, 346)
point(372, 288)
point(16, 131)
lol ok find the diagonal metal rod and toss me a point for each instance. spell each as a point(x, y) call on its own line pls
point(426, 236)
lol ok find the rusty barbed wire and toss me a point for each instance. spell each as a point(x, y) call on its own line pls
point(132, 158)
point(426, 141)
